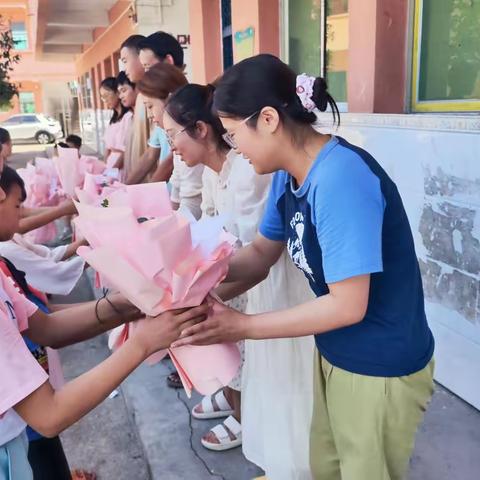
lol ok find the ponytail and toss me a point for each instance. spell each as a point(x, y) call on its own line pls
point(264, 80)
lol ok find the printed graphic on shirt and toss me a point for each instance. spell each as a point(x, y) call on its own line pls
point(7, 306)
point(295, 244)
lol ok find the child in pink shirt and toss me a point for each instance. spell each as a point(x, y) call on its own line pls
point(26, 396)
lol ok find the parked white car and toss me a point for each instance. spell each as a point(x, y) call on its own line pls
point(29, 126)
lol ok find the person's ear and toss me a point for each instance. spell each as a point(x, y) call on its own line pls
point(201, 130)
point(268, 119)
point(169, 59)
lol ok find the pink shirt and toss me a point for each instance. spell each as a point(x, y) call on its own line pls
point(116, 133)
point(20, 373)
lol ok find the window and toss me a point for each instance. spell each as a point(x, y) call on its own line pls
point(13, 120)
point(27, 102)
point(336, 60)
point(446, 60)
point(29, 119)
point(19, 35)
point(227, 39)
point(304, 37)
point(316, 41)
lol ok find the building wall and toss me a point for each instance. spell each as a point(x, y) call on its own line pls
point(31, 74)
point(433, 159)
point(101, 57)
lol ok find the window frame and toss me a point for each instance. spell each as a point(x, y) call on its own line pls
point(284, 41)
point(23, 102)
point(429, 106)
point(27, 37)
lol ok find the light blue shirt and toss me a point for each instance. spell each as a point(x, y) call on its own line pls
point(158, 139)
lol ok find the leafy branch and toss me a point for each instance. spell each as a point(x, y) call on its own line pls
point(8, 59)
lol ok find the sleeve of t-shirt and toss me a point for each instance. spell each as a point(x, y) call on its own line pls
point(158, 139)
point(20, 372)
point(348, 216)
point(23, 307)
point(272, 225)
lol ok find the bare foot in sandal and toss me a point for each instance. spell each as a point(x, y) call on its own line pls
point(224, 436)
point(214, 406)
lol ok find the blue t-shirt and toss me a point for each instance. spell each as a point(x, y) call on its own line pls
point(158, 139)
point(348, 219)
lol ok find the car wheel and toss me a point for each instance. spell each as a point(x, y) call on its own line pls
point(43, 138)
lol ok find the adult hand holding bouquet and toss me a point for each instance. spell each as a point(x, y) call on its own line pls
point(162, 262)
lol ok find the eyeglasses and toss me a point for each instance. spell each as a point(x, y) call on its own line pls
point(229, 139)
point(171, 138)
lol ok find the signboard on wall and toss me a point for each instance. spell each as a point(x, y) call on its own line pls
point(244, 44)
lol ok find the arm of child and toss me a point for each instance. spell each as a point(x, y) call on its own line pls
point(71, 249)
point(49, 412)
point(80, 322)
point(46, 216)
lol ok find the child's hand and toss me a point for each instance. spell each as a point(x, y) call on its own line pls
point(157, 333)
point(67, 207)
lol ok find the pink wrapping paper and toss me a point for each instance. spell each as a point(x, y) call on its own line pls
point(42, 187)
point(163, 263)
point(72, 169)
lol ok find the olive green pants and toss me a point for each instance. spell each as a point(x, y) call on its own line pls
point(363, 427)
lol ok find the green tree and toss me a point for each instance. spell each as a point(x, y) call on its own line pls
point(8, 59)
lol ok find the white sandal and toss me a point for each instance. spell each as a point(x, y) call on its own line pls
point(221, 432)
point(208, 409)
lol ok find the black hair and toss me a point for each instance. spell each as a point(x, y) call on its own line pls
point(4, 136)
point(264, 80)
point(75, 140)
point(193, 103)
point(122, 79)
point(62, 144)
point(9, 178)
point(163, 44)
point(133, 42)
point(111, 83)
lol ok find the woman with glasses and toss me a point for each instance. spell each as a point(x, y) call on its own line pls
point(342, 220)
point(158, 83)
point(270, 410)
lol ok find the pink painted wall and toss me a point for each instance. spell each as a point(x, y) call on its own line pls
point(264, 17)
point(377, 68)
point(206, 44)
point(361, 68)
point(31, 72)
point(391, 56)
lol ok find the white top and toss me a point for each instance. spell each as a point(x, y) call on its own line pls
point(237, 192)
point(45, 270)
point(186, 185)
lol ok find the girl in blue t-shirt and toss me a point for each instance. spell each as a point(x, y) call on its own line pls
point(343, 223)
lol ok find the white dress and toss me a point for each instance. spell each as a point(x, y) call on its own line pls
point(277, 379)
point(230, 193)
point(277, 386)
